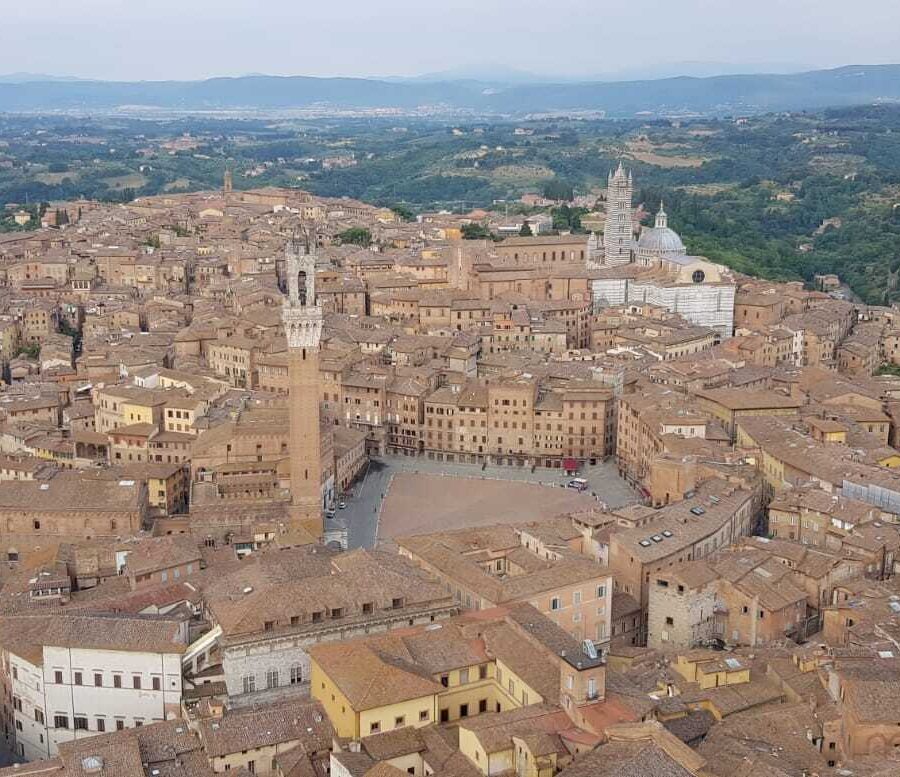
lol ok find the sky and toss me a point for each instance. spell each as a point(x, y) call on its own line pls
point(191, 39)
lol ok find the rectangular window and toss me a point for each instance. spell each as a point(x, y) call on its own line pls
point(117, 681)
point(38, 715)
point(482, 672)
point(375, 727)
point(136, 682)
point(101, 724)
point(157, 683)
point(120, 725)
point(80, 723)
point(60, 721)
point(57, 677)
point(400, 721)
point(576, 598)
point(424, 715)
point(555, 603)
point(463, 676)
point(272, 678)
point(464, 710)
point(482, 705)
point(249, 683)
point(77, 678)
point(251, 767)
point(98, 679)
point(296, 675)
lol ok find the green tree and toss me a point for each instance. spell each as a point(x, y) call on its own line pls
point(29, 350)
point(359, 236)
point(475, 231)
point(404, 213)
point(556, 189)
point(525, 231)
point(567, 218)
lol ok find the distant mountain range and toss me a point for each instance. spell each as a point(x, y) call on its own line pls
point(512, 95)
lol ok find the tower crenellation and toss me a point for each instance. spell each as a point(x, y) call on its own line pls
point(301, 314)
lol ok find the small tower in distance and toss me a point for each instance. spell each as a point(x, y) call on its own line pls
point(227, 183)
point(595, 254)
point(302, 319)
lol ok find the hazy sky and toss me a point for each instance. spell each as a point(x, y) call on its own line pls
point(185, 39)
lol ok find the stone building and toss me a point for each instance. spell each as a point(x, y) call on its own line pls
point(683, 608)
point(66, 507)
point(266, 614)
point(497, 565)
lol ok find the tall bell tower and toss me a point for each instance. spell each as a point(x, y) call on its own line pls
point(302, 319)
point(618, 234)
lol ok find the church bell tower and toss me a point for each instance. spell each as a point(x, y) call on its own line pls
point(302, 319)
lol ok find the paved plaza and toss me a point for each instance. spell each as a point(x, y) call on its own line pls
point(425, 503)
point(399, 495)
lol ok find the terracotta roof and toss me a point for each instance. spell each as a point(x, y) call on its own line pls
point(302, 722)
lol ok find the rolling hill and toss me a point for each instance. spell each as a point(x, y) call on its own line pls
point(718, 95)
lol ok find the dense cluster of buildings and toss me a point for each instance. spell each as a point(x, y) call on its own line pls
point(192, 384)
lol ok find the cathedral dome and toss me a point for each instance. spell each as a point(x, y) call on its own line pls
point(661, 240)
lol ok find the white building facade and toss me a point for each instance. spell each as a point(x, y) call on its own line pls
point(63, 692)
point(698, 290)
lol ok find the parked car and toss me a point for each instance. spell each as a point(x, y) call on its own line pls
point(579, 484)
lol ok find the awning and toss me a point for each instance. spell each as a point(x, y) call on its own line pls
point(570, 465)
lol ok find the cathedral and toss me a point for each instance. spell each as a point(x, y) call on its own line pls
point(657, 245)
point(655, 268)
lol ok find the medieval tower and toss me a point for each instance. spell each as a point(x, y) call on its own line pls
point(303, 327)
point(618, 234)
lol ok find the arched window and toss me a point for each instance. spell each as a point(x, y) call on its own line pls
point(301, 286)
